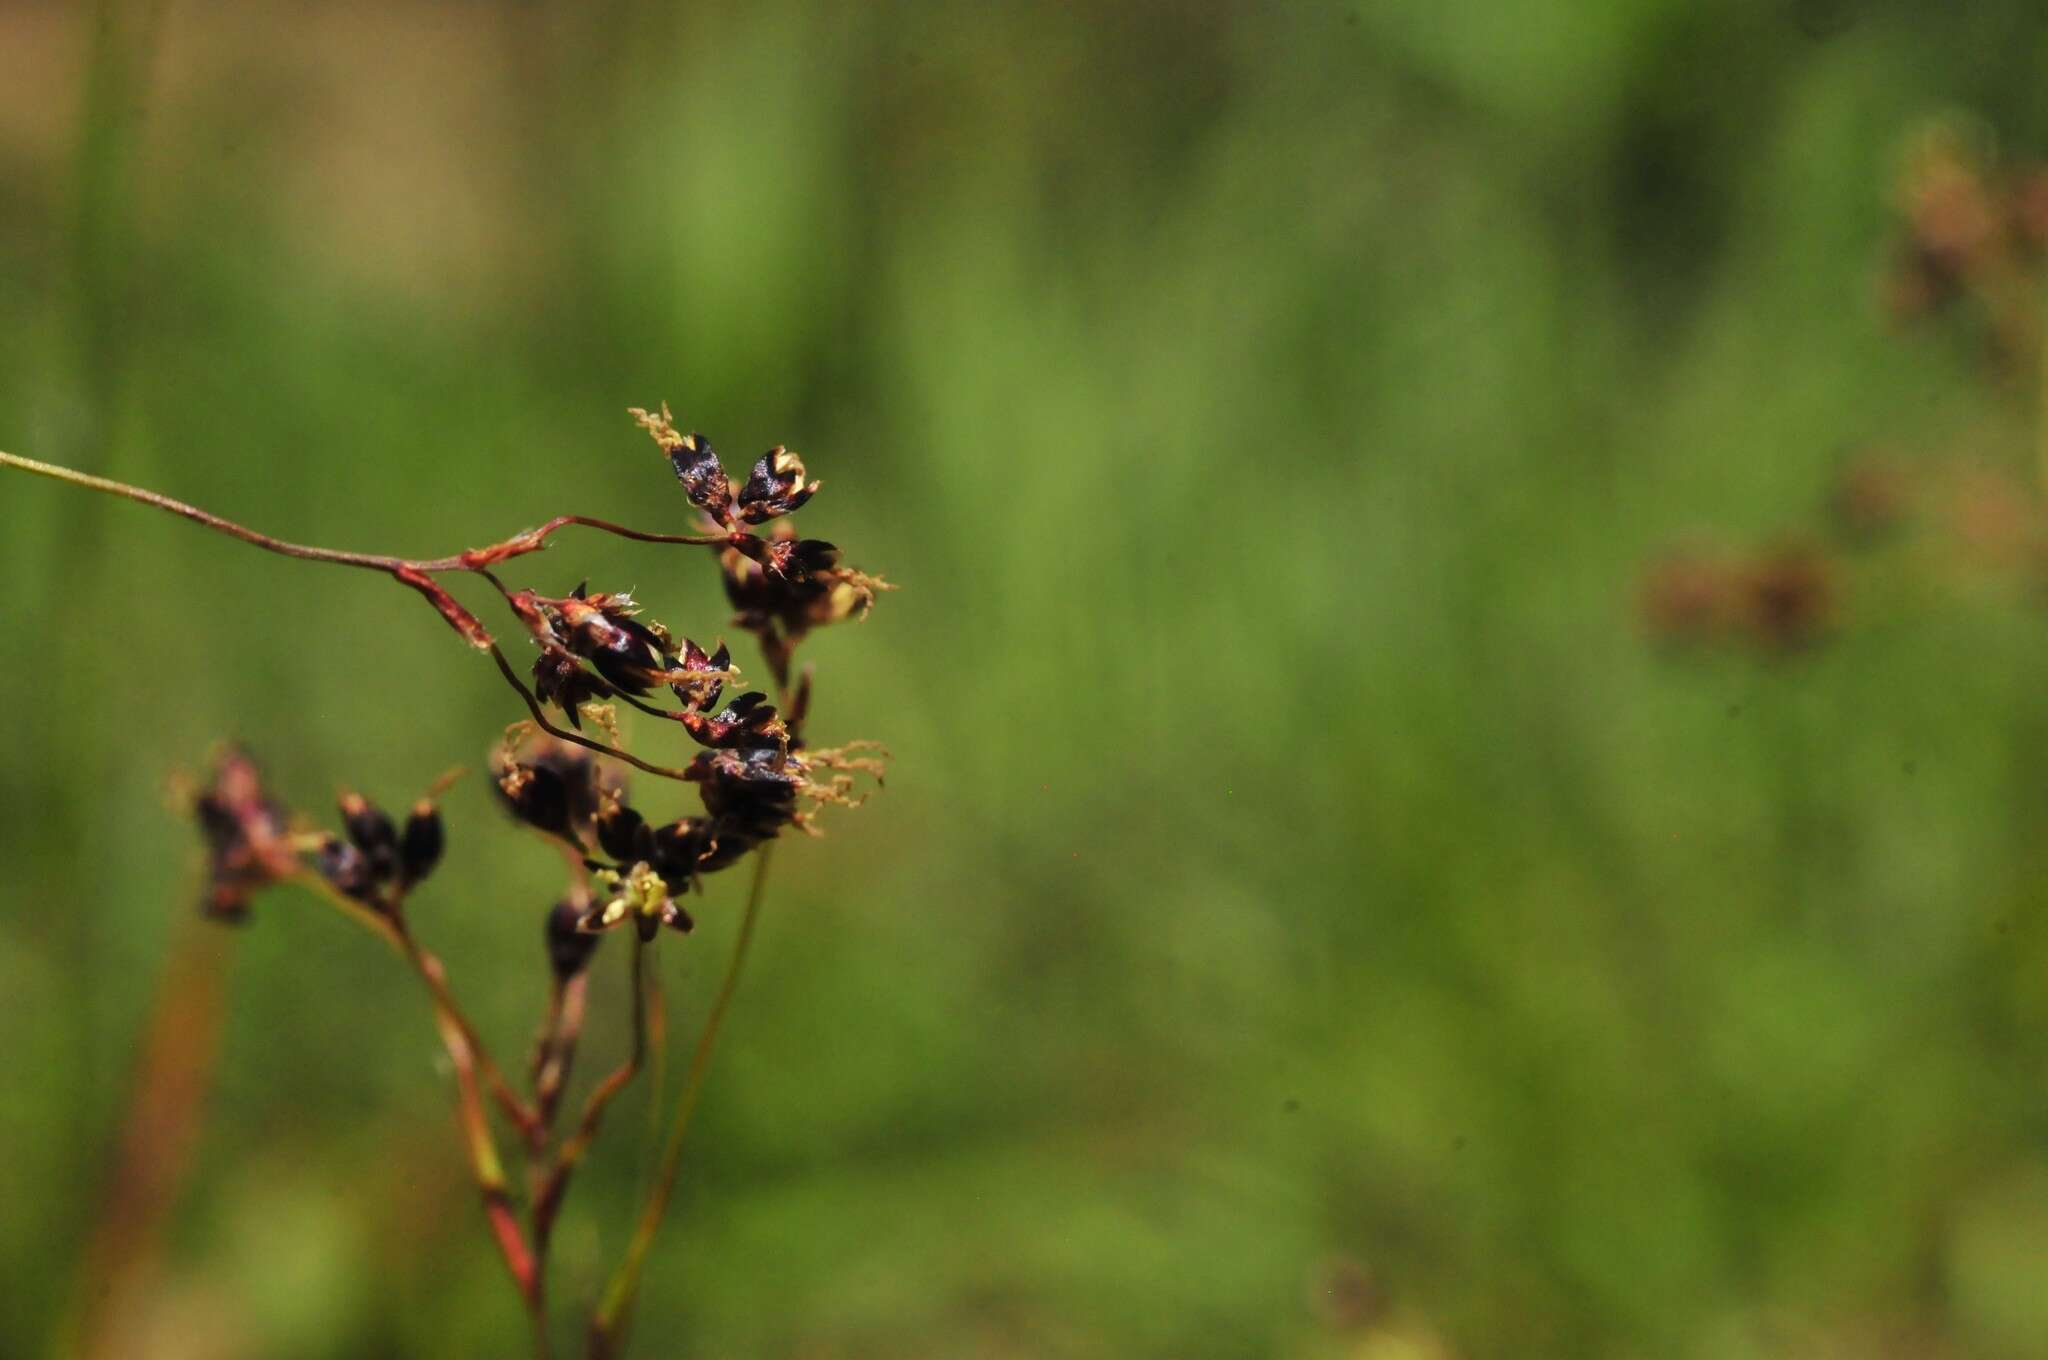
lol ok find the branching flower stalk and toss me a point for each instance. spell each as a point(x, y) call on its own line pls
point(754, 772)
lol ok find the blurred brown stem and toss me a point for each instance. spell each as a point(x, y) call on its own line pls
point(554, 1057)
point(2040, 332)
point(159, 1132)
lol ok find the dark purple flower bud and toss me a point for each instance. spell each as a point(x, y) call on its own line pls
point(553, 786)
point(786, 556)
point(347, 869)
point(625, 651)
point(560, 679)
point(748, 721)
point(538, 796)
point(622, 833)
point(775, 487)
point(677, 847)
point(569, 945)
point(371, 831)
point(420, 844)
point(697, 468)
point(675, 918)
point(750, 796)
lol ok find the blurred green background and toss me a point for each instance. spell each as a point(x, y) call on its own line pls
point(1306, 918)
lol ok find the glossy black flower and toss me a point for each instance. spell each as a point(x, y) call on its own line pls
point(776, 486)
point(622, 832)
point(748, 721)
point(347, 870)
point(420, 843)
point(552, 786)
point(702, 475)
point(750, 795)
point(371, 831)
point(562, 680)
point(695, 462)
point(792, 584)
point(626, 652)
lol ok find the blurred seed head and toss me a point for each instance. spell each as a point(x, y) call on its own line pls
point(1779, 600)
point(247, 841)
point(1347, 1295)
point(1996, 519)
point(550, 785)
point(420, 844)
point(347, 870)
point(1788, 598)
point(569, 946)
point(372, 832)
point(1688, 599)
point(1870, 499)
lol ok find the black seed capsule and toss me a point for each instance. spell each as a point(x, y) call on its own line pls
point(569, 946)
point(622, 831)
point(420, 844)
point(370, 831)
point(347, 869)
point(539, 797)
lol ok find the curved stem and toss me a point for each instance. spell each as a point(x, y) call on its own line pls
point(555, 1055)
point(218, 524)
point(466, 1056)
point(533, 540)
point(540, 718)
point(435, 975)
point(415, 573)
point(614, 1312)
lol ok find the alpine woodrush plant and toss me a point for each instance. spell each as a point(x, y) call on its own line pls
point(756, 776)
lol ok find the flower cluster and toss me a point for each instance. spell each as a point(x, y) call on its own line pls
point(755, 777)
point(789, 586)
point(1973, 227)
point(626, 656)
point(773, 488)
point(1777, 600)
point(376, 861)
point(782, 585)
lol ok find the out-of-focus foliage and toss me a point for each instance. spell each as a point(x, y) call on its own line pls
point(1304, 918)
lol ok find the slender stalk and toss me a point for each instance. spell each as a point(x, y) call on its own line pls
point(540, 718)
point(372, 561)
point(414, 573)
point(533, 540)
point(548, 1202)
point(435, 975)
point(467, 1057)
point(555, 1055)
point(609, 1323)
